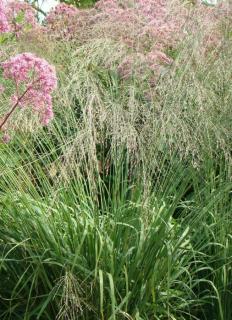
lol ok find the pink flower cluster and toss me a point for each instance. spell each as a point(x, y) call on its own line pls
point(61, 20)
point(4, 25)
point(14, 9)
point(148, 14)
point(16, 16)
point(65, 21)
point(146, 26)
point(62, 11)
point(34, 79)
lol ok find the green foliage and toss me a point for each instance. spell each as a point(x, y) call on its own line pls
point(75, 250)
point(80, 3)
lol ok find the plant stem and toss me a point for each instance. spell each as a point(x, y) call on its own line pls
point(36, 7)
point(7, 116)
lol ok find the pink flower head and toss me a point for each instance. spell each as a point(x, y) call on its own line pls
point(62, 12)
point(20, 15)
point(63, 20)
point(35, 79)
point(4, 25)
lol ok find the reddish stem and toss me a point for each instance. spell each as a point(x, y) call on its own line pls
point(7, 116)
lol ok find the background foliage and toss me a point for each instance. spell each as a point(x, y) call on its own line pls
point(80, 3)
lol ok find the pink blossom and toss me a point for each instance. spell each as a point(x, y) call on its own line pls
point(4, 25)
point(35, 79)
point(62, 11)
point(13, 11)
point(62, 18)
point(147, 28)
point(148, 17)
point(64, 21)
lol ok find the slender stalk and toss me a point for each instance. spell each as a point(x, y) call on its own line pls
point(36, 7)
point(7, 116)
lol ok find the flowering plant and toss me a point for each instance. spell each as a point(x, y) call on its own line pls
point(4, 25)
point(63, 18)
point(34, 81)
point(21, 16)
point(17, 17)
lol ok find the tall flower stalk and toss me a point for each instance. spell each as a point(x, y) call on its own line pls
point(35, 80)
